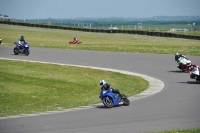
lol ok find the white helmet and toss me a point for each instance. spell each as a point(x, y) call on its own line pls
point(102, 82)
point(177, 54)
point(188, 63)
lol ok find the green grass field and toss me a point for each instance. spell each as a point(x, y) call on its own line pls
point(51, 38)
point(27, 88)
point(181, 131)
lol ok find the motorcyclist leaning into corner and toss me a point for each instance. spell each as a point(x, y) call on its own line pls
point(75, 40)
point(106, 86)
point(177, 56)
point(21, 41)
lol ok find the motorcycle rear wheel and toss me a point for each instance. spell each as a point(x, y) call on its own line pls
point(15, 50)
point(108, 102)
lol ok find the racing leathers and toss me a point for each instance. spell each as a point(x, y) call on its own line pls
point(21, 42)
point(176, 59)
point(107, 86)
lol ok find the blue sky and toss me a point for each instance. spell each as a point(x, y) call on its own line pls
point(35, 9)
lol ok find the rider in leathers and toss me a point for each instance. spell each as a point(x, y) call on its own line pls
point(21, 42)
point(177, 56)
point(107, 86)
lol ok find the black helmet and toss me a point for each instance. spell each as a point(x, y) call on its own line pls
point(22, 37)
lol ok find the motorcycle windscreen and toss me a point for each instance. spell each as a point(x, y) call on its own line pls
point(195, 71)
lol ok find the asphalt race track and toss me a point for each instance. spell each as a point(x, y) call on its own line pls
point(177, 106)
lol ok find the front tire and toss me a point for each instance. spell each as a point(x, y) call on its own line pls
point(26, 52)
point(192, 76)
point(198, 79)
point(108, 102)
point(16, 49)
point(125, 100)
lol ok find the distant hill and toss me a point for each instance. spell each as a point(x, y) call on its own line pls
point(154, 18)
point(176, 18)
point(117, 21)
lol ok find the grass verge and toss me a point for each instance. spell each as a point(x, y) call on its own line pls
point(27, 88)
point(197, 130)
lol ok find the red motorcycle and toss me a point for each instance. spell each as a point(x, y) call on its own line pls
point(74, 42)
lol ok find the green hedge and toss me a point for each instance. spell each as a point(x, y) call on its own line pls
point(140, 32)
point(162, 34)
point(148, 33)
point(157, 33)
point(143, 32)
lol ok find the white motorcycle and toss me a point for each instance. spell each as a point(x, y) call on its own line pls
point(183, 63)
point(195, 73)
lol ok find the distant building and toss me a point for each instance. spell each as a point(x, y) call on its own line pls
point(179, 29)
point(87, 26)
point(112, 28)
point(4, 17)
point(1, 17)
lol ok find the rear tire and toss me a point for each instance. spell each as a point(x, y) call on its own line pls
point(108, 102)
point(16, 50)
point(198, 79)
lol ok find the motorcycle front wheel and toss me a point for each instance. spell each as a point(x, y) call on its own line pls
point(16, 51)
point(26, 52)
point(125, 100)
point(108, 102)
point(198, 78)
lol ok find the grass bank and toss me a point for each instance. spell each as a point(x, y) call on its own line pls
point(27, 88)
point(181, 131)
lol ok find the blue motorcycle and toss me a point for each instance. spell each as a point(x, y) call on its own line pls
point(24, 49)
point(111, 99)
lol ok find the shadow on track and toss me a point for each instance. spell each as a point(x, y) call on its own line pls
point(177, 71)
point(190, 82)
point(18, 54)
point(193, 82)
point(103, 107)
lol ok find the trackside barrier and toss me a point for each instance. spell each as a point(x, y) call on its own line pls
point(139, 32)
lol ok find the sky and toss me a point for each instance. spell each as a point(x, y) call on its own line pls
point(38, 9)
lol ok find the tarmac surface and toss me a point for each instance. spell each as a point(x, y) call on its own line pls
point(172, 102)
